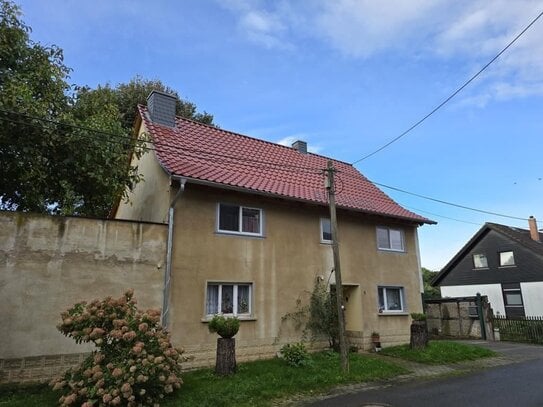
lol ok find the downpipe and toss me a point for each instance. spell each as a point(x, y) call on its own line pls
point(169, 250)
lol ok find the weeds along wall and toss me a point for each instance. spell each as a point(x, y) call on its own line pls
point(48, 263)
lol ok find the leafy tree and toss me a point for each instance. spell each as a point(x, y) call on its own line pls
point(64, 149)
point(135, 92)
point(430, 292)
point(323, 318)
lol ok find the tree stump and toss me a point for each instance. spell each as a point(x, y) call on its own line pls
point(419, 335)
point(226, 356)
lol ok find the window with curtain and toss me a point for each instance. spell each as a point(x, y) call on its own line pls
point(239, 219)
point(391, 299)
point(234, 299)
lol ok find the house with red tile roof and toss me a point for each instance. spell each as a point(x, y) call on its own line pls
point(249, 235)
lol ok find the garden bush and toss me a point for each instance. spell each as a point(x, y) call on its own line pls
point(135, 363)
point(295, 354)
point(225, 327)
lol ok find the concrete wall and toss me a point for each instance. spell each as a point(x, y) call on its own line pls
point(49, 263)
point(282, 267)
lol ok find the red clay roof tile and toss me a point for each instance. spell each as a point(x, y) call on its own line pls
point(207, 153)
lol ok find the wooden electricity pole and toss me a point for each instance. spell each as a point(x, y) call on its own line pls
point(343, 350)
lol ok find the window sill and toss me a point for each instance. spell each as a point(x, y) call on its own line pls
point(390, 250)
point(507, 267)
point(238, 234)
point(241, 319)
point(480, 268)
point(328, 242)
point(393, 314)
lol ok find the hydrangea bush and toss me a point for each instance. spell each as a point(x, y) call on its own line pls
point(134, 364)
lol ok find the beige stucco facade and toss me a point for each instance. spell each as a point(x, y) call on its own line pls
point(281, 266)
point(47, 264)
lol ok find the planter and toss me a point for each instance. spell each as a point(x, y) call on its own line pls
point(419, 335)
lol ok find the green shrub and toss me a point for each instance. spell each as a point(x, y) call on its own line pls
point(225, 327)
point(418, 316)
point(295, 354)
point(135, 363)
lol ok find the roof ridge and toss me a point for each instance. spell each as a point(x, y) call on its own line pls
point(248, 137)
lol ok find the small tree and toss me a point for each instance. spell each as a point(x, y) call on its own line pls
point(226, 344)
point(322, 319)
point(135, 363)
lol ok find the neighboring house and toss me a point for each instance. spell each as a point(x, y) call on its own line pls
point(250, 235)
point(503, 263)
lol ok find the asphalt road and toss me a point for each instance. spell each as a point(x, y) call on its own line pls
point(517, 385)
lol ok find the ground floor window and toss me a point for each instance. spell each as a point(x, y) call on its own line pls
point(391, 299)
point(227, 298)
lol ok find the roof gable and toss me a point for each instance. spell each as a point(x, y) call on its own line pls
point(201, 152)
point(515, 235)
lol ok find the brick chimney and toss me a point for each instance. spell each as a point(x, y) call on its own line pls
point(534, 233)
point(300, 145)
point(161, 108)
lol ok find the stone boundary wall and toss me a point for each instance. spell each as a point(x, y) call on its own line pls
point(450, 318)
point(48, 263)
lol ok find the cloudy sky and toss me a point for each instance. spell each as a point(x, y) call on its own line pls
point(347, 77)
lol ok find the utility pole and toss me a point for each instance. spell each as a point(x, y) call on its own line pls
point(343, 350)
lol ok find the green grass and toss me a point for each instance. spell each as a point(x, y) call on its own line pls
point(439, 353)
point(256, 383)
point(32, 395)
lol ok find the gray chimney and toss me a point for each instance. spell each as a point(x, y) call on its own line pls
point(161, 108)
point(300, 145)
point(534, 234)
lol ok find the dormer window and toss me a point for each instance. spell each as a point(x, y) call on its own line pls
point(507, 259)
point(480, 261)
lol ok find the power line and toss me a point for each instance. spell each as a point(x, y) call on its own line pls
point(457, 91)
point(449, 203)
point(224, 158)
point(441, 216)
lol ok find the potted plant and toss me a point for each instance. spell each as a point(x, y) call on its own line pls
point(226, 345)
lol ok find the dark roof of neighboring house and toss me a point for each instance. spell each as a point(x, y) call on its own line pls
point(521, 236)
point(205, 153)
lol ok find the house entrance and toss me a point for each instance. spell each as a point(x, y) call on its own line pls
point(353, 307)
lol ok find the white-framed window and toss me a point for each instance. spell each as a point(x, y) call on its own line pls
point(391, 299)
point(390, 239)
point(239, 219)
point(480, 261)
point(229, 299)
point(507, 258)
point(326, 230)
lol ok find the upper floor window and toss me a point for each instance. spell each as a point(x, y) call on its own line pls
point(326, 230)
point(507, 258)
point(390, 239)
point(234, 299)
point(391, 299)
point(240, 219)
point(480, 261)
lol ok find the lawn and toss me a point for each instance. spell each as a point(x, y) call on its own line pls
point(439, 353)
point(257, 383)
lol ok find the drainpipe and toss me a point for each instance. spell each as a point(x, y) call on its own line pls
point(169, 249)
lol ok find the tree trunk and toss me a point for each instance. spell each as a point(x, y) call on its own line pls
point(419, 335)
point(226, 356)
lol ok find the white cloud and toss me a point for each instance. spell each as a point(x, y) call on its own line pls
point(289, 140)
point(467, 32)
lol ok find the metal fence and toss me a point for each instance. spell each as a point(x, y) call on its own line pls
point(521, 329)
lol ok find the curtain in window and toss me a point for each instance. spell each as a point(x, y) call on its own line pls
point(212, 302)
point(251, 220)
point(227, 300)
point(243, 299)
point(394, 302)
